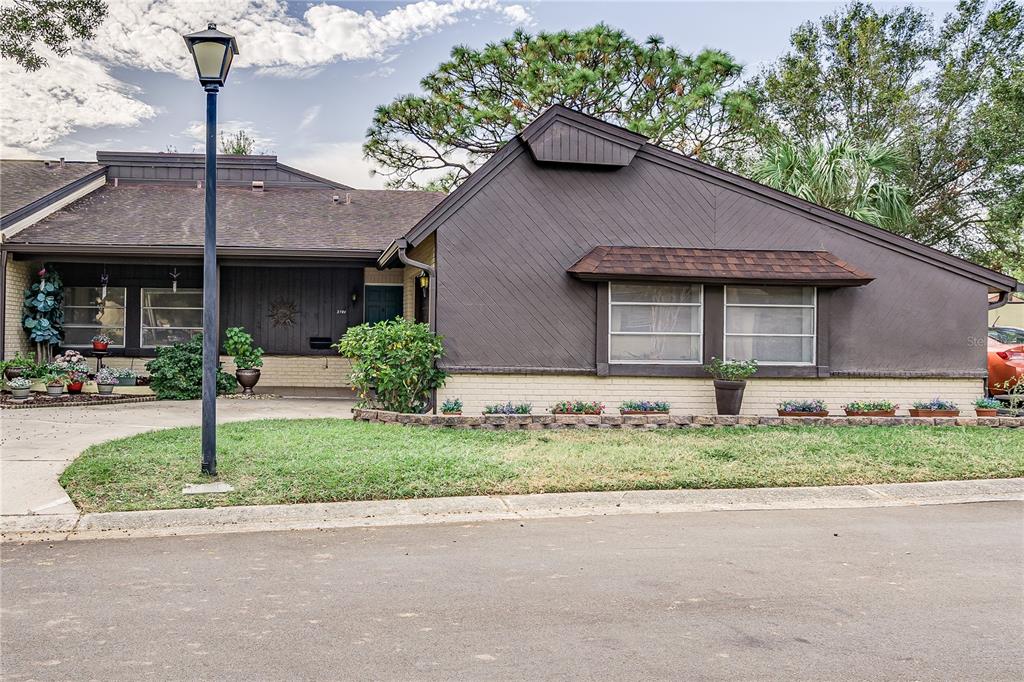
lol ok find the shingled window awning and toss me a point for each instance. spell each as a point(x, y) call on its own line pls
point(724, 266)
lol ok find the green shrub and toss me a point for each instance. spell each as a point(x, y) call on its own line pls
point(238, 343)
point(394, 363)
point(177, 372)
point(731, 370)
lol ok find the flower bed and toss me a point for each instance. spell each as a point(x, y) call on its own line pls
point(660, 421)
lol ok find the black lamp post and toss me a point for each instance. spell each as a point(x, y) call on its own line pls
point(212, 52)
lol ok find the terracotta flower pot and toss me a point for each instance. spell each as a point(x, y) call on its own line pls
point(783, 413)
point(871, 413)
point(13, 372)
point(729, 396)
point(985, 411)
point(452, 414)
point(99, 345)
point(934, 413)
point(247, 378)
point(75, 387)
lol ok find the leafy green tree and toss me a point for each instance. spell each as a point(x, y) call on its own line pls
point(949, 98)
point(239, 143)
point(858, 179)
point(478, 100)
point(24, 24)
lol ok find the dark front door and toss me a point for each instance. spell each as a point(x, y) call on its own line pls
point(383, 302)
point(422, 304)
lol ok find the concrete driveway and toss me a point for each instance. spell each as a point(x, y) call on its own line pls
point(37, 444)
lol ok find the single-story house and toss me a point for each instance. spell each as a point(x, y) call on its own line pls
point(579, 262)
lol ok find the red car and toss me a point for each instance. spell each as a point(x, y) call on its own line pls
point(1005, 357)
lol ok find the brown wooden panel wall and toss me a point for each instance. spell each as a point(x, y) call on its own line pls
point(505, 300)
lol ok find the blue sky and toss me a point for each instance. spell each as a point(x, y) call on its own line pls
point(309, 75)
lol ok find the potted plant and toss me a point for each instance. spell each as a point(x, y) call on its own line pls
point(803, 408)
point(936, 407)
point(74, 365)
point(577, 407)
point(125, 376)
point(101, 342)
point(730, 380)
point(20, 388)
point(451, 407)
point(986, 407)
point(248, 357)
point(55, 383)
point(509, 408)
point(643, 407)
point(106, 379)
point(18, 366)
point(870, 408)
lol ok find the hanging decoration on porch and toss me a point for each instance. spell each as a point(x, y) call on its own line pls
point(283, 313)
point(104, 280)
point(174, 279)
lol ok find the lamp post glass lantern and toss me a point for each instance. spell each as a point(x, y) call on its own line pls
point(212, 52)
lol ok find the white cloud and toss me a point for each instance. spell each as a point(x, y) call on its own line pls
point(308, 116)
point(69, 93)
point(78, 91)
point(341, 161)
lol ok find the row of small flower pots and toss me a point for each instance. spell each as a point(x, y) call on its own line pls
point(453, 407)
point(983, 407)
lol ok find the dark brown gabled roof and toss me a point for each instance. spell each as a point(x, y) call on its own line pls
point(727, 266)
point(24, 182)
point(171, 215)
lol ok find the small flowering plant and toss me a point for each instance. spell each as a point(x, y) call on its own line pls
point(870, 406)
point(20, 383)
point(577, 407)
point(935, 404)
point(106, 376)
point(125, 372)
point(988, 403)
point(451, 406)
point(72, 363)
point(814, 405)
point(102, 338)
point(643, 406)
point(509, 408)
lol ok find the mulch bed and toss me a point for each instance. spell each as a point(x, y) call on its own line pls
point(66, 400)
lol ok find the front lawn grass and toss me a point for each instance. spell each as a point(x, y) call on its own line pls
point(329, 460)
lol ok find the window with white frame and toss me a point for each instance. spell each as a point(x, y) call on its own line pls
point(170, 317)
point(88, 312)
point(655, 323)
point(775, 325)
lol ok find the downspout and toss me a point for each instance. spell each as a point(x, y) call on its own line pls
point(3, 301)
point(1004, 298)
point(403, 244)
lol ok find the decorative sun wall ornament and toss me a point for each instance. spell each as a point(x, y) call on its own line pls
point(283, 313)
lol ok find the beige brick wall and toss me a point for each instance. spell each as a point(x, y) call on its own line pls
point(278, 370)
point(424, 253)
point(375, 276)
point(697, 396)
point(19, 277)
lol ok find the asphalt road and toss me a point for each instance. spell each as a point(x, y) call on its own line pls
point(902, 593)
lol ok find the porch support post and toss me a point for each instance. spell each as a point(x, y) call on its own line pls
point(210, 332)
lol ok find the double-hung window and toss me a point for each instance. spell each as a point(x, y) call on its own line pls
point(655, 323)
point(775, 325)
point(88, 312)
point(170, 317)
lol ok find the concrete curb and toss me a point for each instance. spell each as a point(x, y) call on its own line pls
point(496, 508)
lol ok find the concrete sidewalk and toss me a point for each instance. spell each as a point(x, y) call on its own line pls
point(36, 445)
point(494, 508)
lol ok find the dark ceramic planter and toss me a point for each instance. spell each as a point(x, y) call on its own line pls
point(783, 413)
point(75, 387)
point(14, 372)
point(729, 396)
point(247, 378)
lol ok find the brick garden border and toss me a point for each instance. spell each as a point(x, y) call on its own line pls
point(31, 404)
point(658, 421)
